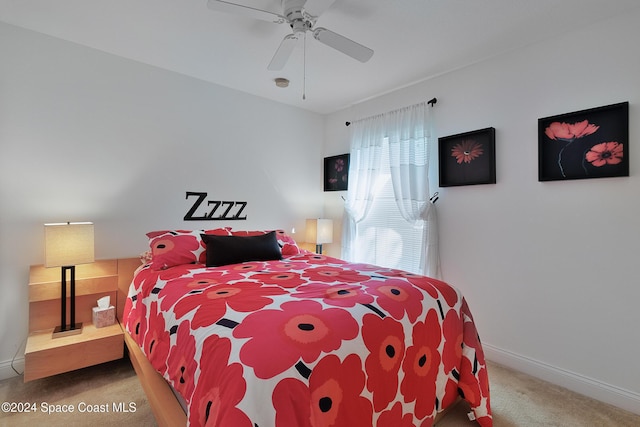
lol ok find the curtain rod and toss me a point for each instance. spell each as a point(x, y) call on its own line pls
point(432, 102)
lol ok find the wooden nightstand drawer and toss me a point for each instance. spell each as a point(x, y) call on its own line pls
point(45, 356)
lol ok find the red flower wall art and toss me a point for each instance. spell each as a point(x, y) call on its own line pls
point(585, 144)
point(336, 173)
point(467, 158)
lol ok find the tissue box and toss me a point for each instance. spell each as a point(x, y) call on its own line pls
point(104, 316)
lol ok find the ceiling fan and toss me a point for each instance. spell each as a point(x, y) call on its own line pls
point(301, 15)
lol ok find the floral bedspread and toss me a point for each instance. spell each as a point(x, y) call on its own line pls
point(308, 340)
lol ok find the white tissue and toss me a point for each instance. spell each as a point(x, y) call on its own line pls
point(104, 302)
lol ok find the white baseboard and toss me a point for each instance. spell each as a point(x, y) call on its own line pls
point(619, 397)
point(6, 371)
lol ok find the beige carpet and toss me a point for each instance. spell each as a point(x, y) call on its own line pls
point(520, 400)
point(107, 384)
point(517, 400)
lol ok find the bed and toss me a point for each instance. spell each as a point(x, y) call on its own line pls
point(249, 330)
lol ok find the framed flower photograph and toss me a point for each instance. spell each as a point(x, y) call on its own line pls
point(336, 172)
point(468, 158)
point(591, 143)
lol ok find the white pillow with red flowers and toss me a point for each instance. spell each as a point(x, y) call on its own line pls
point(177, 247)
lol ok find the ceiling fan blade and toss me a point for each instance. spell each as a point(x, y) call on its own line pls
point(316, 7)
point(252, 12)
point(343, 44)
point(283, 53)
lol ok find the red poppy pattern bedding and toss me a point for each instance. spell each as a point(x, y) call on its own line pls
point(308, 340)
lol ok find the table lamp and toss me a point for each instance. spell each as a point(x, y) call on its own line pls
point(319, 231)
point(67, 245)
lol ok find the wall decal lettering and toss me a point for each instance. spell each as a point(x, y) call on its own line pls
point(226, 210)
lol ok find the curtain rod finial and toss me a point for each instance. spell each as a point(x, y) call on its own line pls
point(432, 101)
point(347, 123)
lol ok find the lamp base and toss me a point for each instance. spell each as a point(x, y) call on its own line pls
point(75, 330)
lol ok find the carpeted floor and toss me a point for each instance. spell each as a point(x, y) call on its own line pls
point(114, 394)
point(520, 400)
point(113, 385)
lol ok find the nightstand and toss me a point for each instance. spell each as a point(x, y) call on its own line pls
point(45, 355)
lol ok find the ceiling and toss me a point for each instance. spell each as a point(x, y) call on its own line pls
point(413, 40)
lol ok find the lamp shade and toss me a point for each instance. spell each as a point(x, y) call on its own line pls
point(69, 243)
point(319, 231)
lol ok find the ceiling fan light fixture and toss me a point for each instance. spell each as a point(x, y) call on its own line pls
point(282, 82)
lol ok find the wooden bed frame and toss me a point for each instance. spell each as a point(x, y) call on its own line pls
point(164, 404)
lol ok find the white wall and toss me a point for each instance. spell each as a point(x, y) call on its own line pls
point(89, 136)
point(549, 269)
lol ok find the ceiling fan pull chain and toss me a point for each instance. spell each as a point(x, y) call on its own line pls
point(304, 67)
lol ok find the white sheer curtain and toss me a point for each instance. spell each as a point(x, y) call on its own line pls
point(367, 138)
point(410, 133)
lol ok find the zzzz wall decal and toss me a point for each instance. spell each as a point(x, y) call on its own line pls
point(230, 211)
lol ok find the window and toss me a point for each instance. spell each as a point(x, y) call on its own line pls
point(389, 166)
point(384, 237)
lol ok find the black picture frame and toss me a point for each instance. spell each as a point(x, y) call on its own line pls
point(467, 158)
point(336, 173)
point(591, 143)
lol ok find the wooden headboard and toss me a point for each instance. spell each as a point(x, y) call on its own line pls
point(93, 280)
